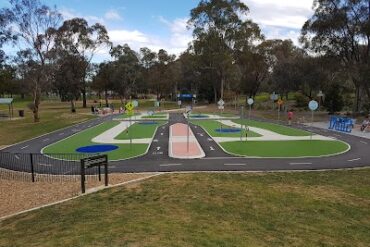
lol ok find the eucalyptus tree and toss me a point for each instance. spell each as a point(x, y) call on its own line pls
point(102, 82)
point(78, 38)
point(341, 28)
point(219, 26)
point(28, 21)
point(127, 71)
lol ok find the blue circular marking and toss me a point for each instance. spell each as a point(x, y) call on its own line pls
point(199, 116)
point(228, 130)
point(96, 148)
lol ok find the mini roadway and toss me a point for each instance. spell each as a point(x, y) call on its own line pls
point(157, 157)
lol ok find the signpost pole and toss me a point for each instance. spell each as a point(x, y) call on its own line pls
point(250, 109)
point(278, 113)
point(241, 125)
point(187, 145)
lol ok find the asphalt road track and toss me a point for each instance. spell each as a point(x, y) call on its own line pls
point(157, 160)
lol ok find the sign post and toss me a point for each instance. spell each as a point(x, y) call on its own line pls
point(280, 102)
point(313, 105)
point(274, 97)
point(241, 125)
point(221, 105)
point(250, 103)
point(188, 111)
point(129, 108)
point(93, 162)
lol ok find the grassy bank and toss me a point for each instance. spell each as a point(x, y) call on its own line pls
point(276, 209)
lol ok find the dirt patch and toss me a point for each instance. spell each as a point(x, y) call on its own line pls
point(19, 194)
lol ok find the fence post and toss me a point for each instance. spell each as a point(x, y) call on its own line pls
point(32, 168)
point(83, 176)
point(99, 171)
point(106, 170)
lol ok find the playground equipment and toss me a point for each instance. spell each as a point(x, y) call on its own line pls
point(343, 124)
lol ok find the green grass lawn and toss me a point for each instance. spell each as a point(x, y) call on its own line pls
point(54, 115)
point(280, 129)
point(138, 131)
point(212, 125)
point(69, 145)
point(284, 148)
point(264, 209)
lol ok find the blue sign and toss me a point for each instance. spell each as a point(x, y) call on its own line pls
point(186, 96)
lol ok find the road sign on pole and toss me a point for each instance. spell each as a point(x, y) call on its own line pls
point(313, 105)
point(250, 102)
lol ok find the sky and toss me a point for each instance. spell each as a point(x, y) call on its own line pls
point(162, 24)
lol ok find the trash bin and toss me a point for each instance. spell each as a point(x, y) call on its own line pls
point(21, 113)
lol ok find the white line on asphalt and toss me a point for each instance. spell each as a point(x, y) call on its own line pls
point(231, 164)
point(47, 165)
point(158, 148)
point(363, 142)
point(170, 164)
point(155, 140)
point(46, 139)
point(25, 147)
point(302, 163)
point(354, 160)
point(212, 148)
point(16, 156)
point(161, 134)
point(61, 134)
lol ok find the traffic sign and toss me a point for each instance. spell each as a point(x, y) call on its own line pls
point(221, 102)
point(188, 109)
point(313, 105)
point(179, 103)
point(156, 103)
point(280, 102)
point(135, 103)
point(274, 96)
point(129, 106)
point(250, 101)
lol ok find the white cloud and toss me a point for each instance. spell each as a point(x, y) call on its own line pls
point(112, 15)
point(126, 36)
point(70, 13)
point(180, 34)
point(280, 19)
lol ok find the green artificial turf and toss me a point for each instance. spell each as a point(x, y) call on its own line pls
point(212, 125)
point(280, 129)
point(284, 148)
point(206, 209)
point(139, 131)
point(70, 144)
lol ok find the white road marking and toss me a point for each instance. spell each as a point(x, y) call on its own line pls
point(158, 148)
point(298, 163)
point(155, 140)
point(61, 134)
point(17, 157)
point(363, 142)
point(210, 139)
point(354, 160)
point(231, 164)
point(157, 153)
point(170, 165)
point(161, 134)
point(196, 127)
point(88, 126)
point(47, 165)
point(25, 147)
point(46, 139)
point(211, 148)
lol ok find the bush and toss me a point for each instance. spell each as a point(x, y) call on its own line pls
point(334, 101)
point(300, 100)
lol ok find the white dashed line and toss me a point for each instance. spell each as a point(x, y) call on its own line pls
point(17, 157)
point(352, 160)
point(231, 164)
point(211, 148)
point(46, 139)
point(302, 163)
point(363, 142)
point(25, 147)
point(61, 134)
point(170, 165)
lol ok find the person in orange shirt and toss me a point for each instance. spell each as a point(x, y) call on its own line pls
point(290, 117)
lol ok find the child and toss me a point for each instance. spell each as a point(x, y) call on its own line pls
point(365, 123)
point(290, 117)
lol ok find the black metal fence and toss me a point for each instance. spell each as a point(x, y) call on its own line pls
point(45, 167)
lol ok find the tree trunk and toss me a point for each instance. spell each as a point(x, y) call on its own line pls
point(84, 101)
point(106, 98)
point(222, 87)
point(73, 107)
point(215, 94)
point(36, 103)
